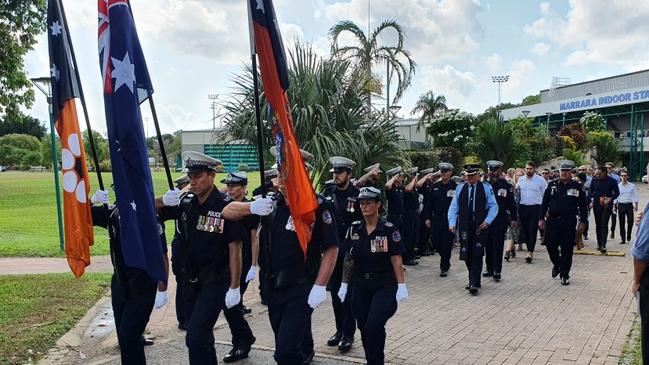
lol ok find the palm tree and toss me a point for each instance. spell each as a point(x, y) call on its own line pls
point(496, 141)
point(429, 105)
point(368, 53)
point(328, 109)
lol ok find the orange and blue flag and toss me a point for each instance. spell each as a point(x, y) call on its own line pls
point(274, 74)
point(65, 88)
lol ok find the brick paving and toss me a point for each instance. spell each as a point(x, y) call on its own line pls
point(527, 318)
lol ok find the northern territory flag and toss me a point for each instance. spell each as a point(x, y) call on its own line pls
point(65, 88)
point(126, 85)
point(274, 74)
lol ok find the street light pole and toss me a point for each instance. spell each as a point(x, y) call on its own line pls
point(547, 124)
point(500, 80)
point(44, 85)
point(213, 97)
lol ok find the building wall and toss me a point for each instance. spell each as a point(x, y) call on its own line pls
point(605, 85)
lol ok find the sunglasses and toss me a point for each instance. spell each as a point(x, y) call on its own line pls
point(545, 173)
point(624, 175)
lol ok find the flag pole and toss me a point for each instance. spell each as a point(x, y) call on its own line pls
point(161, 143)
point(93, 148)
point(255, 82)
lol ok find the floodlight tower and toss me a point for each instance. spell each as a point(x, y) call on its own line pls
point(500, 80)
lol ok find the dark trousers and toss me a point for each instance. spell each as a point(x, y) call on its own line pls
point(239, 328)
point(132, 306)
point(444, 239)
point(210, 299)
point(290, 319)
point(529, 217)
point(644, 318)
point(182, 311)
point(345, 323)
point(473, 259)
point(560, 233)
point(424, 235)
point(625, 214)
point(374, 302)
point(495, 245)
point(602, 215)
point(409, 230)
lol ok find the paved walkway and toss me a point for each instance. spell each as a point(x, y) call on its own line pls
point(527, 318)
point(43, 265)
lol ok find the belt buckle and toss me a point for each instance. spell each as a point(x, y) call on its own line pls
point(367, 276)
point(193, 280)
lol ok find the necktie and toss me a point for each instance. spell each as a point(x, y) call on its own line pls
point(471, 195)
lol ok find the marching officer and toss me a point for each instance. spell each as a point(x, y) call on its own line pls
point(563, 201)
point(212, 246)
point(411, 213)
point(343, 195)
point(394, 192)
point(436, 212)
point(374, 263)
point(296, 281)
point(184, 302)
point(423, 236)
point(371, 177)
point(133, 292)
point(472, 211)
point(242, 337)
point(506, 213)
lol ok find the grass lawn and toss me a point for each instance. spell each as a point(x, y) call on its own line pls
point(35, 310)
point(632, 351)
point(28, 223)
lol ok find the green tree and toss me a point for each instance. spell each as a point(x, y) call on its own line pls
point(46, 151)
point(577, 133)
point(24, 141)
point(606, 147)
point(533, 143)
point(496, 141)
point(452, 129)
point(101, 145)
point(531, 99)
point(328, 107)
point(429, 105)
point(369, 52)
point(21, 21)
point(593, 122)
point(493, 112)
point(22, 124)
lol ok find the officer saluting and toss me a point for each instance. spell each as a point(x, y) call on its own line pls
point(563, 200)
point(496, 238)
point(212, 246)
point(472, 210)
point(374, 262)
point(411, 214)
point(342, 194)
point(439, 200)
point(296, 285)
point(394, 192)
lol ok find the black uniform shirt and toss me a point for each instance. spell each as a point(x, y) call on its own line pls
point(285, 253)
point(504, 193)
point(372, 252)
point(440, 198)
point(565, 200)
point(607, 187)
point(207, 233)
point(345, 206)
point(110, 221)
point(395, 200)
point(249, 223)
point(411, 200)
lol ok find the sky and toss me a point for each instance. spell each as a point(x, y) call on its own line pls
point(194, 47)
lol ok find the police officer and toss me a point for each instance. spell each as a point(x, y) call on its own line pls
point(269, 175)
point(371, 177)
point(394, 192)
point(472, 211)
point(563, 201)
point(296, 280)
point(212, 246)
point(183, 301)
point(423, 236)
point(411, 213)
point(343, 195)
point(604, 190)
point(436, 212)
point(374, 263)
point(506, 213)
point(242, 337)
point(133, 292)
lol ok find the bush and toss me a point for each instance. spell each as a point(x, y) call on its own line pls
point(31, 159)
point(11, 156)
point(23, 141)
point(243, 167)
point(105, 165)
point(593, 122)
point(577, 134)
point(452, 129)
point(573, 155)
point(606, 147)
point(423, 159)
point(568, 143)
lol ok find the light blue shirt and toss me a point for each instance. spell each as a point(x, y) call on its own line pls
point(616, 177)
point(492, 205)
point(640, 249)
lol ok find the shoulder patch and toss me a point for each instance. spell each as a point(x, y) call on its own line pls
point(396, 236)
point(326, 217)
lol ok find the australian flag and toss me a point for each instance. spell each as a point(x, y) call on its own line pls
point(126, 85)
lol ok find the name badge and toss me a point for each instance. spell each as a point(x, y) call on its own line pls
point(573, 192)
point(502, 192)
point(212, 222)
point(379, 244)
point(450, 193)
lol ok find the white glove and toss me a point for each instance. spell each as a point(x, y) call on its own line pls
point(161, 299)
point(263, 206)
point(342, 292)
point(252, 274)
point(171, 198)
point(100, 197)
point(402, 292)
point(317, 296)
point(232, 297)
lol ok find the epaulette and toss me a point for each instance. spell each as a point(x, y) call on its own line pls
point(356, 222)
point(388, 224)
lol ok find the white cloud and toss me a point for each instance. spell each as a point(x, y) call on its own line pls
point(597, 32)
point(544, 8)
point(449, 81)
point(494, 62)
point(540, 49)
